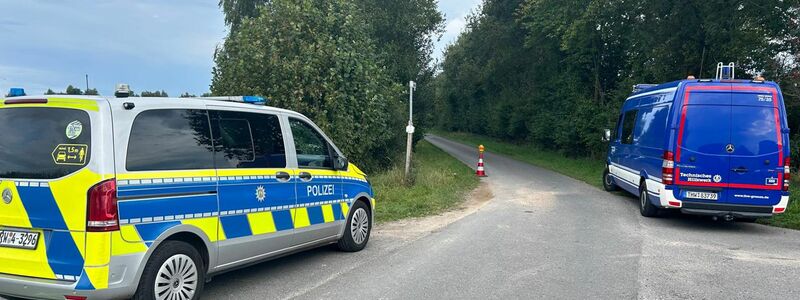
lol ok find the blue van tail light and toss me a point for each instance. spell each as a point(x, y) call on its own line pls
point(787, 173)
point(668, 168)
point(102, 215)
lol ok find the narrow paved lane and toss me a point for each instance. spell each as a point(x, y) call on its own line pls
point(543, 235)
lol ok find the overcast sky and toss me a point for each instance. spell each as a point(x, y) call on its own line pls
point(150, 44)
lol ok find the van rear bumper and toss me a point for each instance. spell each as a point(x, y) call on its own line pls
point(36, 288)
point(719, 209)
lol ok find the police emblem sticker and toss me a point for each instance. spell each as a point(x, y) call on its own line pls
point(70, 154)
point(261, 193)
point(74, 129)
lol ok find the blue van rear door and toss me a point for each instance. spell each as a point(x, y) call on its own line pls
point(756, 162)
point(702, 161)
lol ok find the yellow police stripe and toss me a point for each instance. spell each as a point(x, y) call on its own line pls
point(261, 222)
point(82, 104)
point(98, 249)
point(345, 209)
point(98, 276)
point(14, 213)
point(300, 217)
point(209, 226)
point(32, 263)
point(70, 196)
point(79, 237)
point(167, 174)
point(327, 213)
point(119, 246)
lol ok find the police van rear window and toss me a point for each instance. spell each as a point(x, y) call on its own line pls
point(43, 143)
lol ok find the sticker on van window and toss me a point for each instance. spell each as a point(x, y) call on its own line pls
point(771, 181)
point(764, 98)
point(74, 129)
point(70, 154)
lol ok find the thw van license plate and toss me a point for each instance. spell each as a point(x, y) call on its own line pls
point(19, 239)
point(702, 195)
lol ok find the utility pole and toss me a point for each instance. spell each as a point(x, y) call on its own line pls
point(87, 83)
point(410, 128)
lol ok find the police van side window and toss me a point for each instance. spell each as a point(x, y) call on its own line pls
point(312, 149)
point(247, 140)
point(628, 123)
point(170, 139)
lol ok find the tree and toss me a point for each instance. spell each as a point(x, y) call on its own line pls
point(49, 92)
point(187, 95)
point(92, 92)
point(71, 90)
point(161, 93)
point(330, 71)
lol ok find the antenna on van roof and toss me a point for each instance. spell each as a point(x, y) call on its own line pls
point(726, 72)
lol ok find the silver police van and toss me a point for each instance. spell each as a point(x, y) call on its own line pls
point(121, 197)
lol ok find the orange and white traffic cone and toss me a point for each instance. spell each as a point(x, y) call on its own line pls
point(480, 171)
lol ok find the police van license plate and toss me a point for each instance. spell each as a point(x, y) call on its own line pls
point(702, 195)
point(19, 239)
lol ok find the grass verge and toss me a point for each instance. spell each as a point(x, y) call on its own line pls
point(591, 170)
point(440, 183)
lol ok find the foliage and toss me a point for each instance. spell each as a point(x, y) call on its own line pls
point(342, 63)
point(71, 90)
point(92, 92)
point(442, 182)
point(546, 72)
point(160, 93)
point(187, 95)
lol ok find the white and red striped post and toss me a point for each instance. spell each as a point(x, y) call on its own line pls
point(480, 171)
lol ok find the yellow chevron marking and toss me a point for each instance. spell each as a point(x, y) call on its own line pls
point(32, 263)
point(70, 196)
point(345, 209)
point(327, 213)
point(98, 276)
point(98, 249)
point(129, 233)
point(79, 237)
point(221, 231)
point(300, 217)
point(120, 246)
point(14, 214)
point(209, 226)
point(261, 222)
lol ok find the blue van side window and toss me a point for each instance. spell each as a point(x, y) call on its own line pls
point(652, 125)
point(628, 123)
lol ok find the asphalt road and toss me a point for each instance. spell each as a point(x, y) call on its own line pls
point(543, 235)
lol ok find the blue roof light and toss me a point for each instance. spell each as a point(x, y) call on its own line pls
point(253, 99)
point(16, 92)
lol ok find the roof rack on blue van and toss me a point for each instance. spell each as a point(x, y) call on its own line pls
point(642, 86)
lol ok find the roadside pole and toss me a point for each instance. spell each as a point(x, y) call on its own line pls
point(410, 128)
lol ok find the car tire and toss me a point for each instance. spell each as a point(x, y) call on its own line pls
point(646, 208)
point(187, 283)
point(608, 182)
point(357, 228)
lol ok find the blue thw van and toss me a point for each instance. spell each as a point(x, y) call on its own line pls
point(708, 147)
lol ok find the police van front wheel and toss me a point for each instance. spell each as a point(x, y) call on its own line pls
point(175, 271)
point(357, 228)
point(608, 182)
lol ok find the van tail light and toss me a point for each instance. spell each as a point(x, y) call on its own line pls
point(102, 207)
point(787, 173)
point(668, 168)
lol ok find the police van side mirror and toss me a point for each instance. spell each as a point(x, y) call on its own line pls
point(340, 163)
point(606, 135)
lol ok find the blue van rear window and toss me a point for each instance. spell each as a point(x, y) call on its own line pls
point(707, 128)
point(754, 131)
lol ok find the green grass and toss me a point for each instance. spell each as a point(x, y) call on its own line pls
point(440, 183)
point(591, 170)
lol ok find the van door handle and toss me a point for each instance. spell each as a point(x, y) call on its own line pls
point(283, 176)
point(739, 170)
point(305, 176)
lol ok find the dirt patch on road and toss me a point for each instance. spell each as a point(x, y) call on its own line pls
point(414, 228)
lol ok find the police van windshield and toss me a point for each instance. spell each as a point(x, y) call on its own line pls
point(43, 143)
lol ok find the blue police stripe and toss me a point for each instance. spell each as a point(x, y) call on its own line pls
point(84, 283)
point(315, 215)
point(236, 226)
point(167, 206)
point(63, 255)
point(151, 231)
point(283, 220)
point(41, 207)
point(337, 211)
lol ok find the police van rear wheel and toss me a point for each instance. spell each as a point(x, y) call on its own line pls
point(608, 182)
point(646, 208)
point(357, 228)
point(175, 271)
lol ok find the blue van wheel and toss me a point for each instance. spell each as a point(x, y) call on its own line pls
point(646, 208)
point(608, 182)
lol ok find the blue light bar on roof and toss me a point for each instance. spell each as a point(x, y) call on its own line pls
point(16, 92)
point(253, 99)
